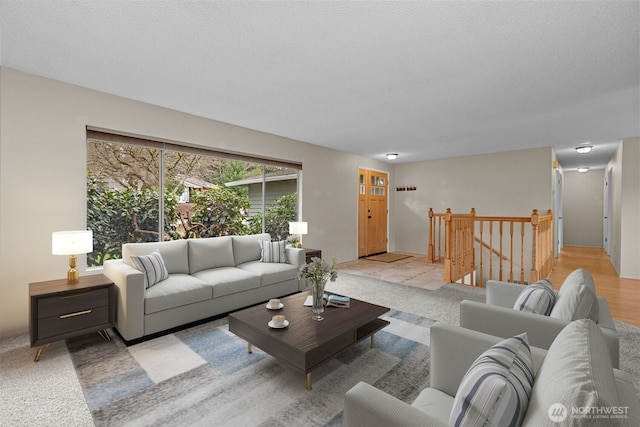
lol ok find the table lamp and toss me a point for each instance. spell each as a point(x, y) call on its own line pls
point(72, 243)
point(298, 228)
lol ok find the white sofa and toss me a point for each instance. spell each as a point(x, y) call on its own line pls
point(575, 299)
point(206, 277)
point(576, 372)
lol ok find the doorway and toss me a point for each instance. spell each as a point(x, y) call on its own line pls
point(373, 189)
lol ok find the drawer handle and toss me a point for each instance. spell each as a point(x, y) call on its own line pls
point(78, 294)
point(77, 313)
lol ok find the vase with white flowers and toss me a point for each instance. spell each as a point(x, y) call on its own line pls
point(315, 274)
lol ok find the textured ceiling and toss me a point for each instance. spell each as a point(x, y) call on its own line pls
point(428, 80)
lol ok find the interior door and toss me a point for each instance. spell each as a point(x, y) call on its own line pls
point(606, 223)
point(557, 214)
point(372, 212)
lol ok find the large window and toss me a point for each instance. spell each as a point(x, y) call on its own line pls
point(200, 193)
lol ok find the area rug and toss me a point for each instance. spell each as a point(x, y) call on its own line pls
point(204, 376)
point(387, 257)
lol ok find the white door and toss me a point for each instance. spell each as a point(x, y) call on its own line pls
point(557, 214)
point(606, 224)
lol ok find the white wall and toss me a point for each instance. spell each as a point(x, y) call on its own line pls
point(510, 183)
point(583, 208)
point(43, 168)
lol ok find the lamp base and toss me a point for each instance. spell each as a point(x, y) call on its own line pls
point(73, 276)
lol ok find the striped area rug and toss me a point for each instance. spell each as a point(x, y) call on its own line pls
point(204, 376)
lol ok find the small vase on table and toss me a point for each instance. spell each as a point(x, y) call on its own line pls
point(317, 291)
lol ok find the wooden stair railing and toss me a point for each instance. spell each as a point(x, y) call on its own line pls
point(468, 237)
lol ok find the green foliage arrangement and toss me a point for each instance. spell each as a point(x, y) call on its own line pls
point(318, 271)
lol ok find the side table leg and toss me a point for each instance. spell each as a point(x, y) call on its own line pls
point(40, 352)
point(105, 335)
point(249, 348)
point(309, 381)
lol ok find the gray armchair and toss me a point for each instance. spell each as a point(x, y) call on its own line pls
point(497, 317)
point(561, 374)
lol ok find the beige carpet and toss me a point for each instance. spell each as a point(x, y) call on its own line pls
point(412, 270)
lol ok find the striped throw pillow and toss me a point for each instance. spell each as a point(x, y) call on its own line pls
point(274, 252)
point(538, 298)
point(152, 266)
point(496, 389)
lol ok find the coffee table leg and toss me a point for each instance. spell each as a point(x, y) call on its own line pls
point(309, 381)
point(249, 347)
point(373, 340)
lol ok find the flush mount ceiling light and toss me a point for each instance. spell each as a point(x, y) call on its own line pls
point(392, 156)
point(584, 149)
point(583, 169)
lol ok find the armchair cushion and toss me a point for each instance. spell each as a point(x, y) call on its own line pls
point(496, 388)
point(538, 298)
point(577, 298)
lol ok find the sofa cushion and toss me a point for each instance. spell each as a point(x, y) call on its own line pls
point(174, 253)
point(538, 298)
point(576, 373)
point(495, 390)
point(228, 280)
point(274, 252)
point(576, 298)
point(270, 273)
point(247, 248)
point(177, 290)
point(152, 266)
point(210, 252)
point(435, 403)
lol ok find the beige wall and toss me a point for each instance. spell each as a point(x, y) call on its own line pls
point(510, 183)
point(43, 166)
point(583, 208)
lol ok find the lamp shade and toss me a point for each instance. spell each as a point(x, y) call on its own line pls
point(71, 242)
point(298, 227)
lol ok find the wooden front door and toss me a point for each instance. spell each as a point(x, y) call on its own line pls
point(372, 212)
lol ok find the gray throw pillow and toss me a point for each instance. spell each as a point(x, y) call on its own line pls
point(538, 298)
point(576, 298)
point(495, 390)
point(152, 266)
point(274, 252)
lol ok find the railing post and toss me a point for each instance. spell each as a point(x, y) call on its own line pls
point(447, 246)
point(535, 269)
point(430, 250)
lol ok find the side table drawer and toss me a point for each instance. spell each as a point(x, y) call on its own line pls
point(73, 321)
point(72, 302)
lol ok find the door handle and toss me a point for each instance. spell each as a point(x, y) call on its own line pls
point(369, 216)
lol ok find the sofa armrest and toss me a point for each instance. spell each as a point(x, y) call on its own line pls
point(296, 256)
point(454, 349)
point(502, 294)
point(130, 294)
point(366, 406)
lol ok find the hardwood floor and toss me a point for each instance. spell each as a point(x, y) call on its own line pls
point(623, 295)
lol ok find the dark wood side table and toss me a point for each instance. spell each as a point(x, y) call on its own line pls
point(312, 253)
point(58, 310)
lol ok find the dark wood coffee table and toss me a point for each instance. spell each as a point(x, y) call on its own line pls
point(306, 344)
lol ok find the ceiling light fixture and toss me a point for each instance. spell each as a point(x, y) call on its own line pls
point(584, 149)
point(392, 156)
point(583, 169)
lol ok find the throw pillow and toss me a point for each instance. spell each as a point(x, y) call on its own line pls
point(496, 388)
point(273, 251)
point(152, 266)
point(536, 298)
point(576, 298)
